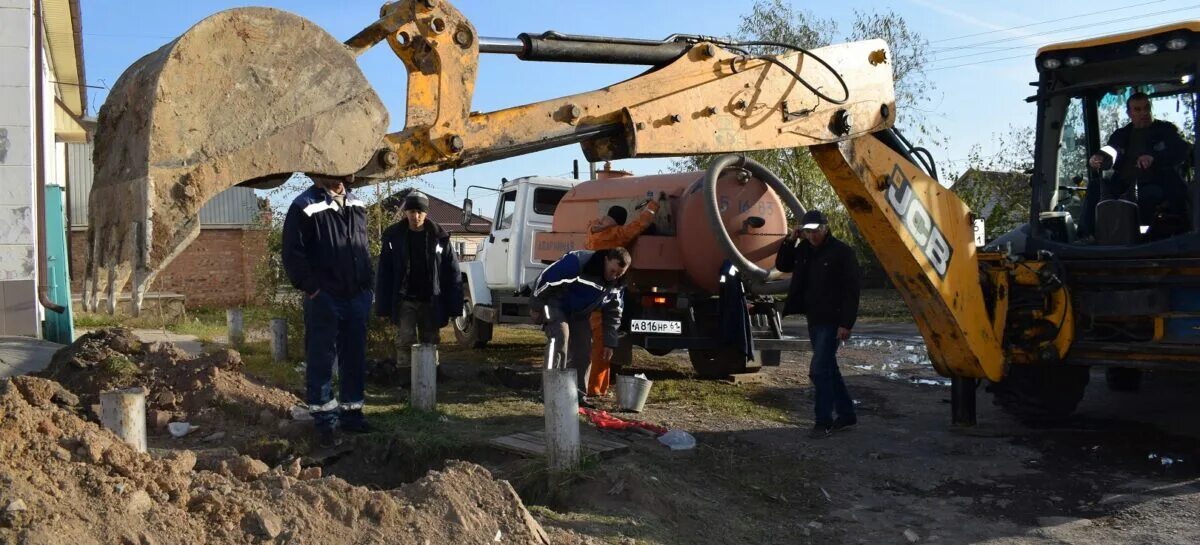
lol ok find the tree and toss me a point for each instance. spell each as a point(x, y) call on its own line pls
point(776, 21)
point(995, 185)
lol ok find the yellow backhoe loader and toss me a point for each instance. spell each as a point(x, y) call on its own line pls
point(249, 96)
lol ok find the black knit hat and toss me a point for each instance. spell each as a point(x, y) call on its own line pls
point(416, 201)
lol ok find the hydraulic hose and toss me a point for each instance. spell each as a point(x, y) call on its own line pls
point(717, 225)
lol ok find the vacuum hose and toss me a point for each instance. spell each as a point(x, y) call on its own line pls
point(717, 225)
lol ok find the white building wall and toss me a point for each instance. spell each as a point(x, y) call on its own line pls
point(19, 313)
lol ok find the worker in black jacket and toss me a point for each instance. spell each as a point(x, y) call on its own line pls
point(824, 288)
point(1145, 156)
point(419, 284)
point(325, 255)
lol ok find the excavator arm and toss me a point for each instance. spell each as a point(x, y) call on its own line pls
point(250, 95)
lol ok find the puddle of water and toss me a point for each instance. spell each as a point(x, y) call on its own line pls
point(940, 381)
point(900, 360)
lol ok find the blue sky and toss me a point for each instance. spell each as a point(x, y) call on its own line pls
point(981, 72)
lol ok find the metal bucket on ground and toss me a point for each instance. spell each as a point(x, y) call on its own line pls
point(632, 392)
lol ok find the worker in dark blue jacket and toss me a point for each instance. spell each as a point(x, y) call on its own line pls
point(325, 255)
point(564, 297)
point(419, 284)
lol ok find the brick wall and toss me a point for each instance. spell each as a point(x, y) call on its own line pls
point(215, 270)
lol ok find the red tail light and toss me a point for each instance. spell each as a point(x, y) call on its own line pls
point(656, 300)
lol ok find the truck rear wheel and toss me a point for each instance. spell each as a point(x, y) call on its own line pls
point(469, 331)
point(1041, 393)
point(719, 362)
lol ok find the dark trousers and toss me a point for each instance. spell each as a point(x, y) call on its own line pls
point(572, 338)
point(335, 333)
point(416, 326)
point(830, 390)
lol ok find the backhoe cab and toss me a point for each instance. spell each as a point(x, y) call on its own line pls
point(1126, 255)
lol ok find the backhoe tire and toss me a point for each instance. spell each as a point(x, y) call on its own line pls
point(719, 363)
point(469, 331)
point(1041, 393)
point(1123, 379)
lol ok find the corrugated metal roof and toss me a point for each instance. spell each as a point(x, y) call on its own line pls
point(234, 207)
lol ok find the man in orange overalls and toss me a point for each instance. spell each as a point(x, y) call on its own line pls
point(606, 232)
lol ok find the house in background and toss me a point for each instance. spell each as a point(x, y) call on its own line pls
point(1001, 199)
point(467, 240)
point(218, 269)
point(42, 103)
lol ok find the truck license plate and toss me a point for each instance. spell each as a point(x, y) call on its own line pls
point(656, 326)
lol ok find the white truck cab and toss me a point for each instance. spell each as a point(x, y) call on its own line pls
point(505, 263)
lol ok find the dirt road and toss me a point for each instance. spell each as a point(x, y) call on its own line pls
point(1123, 471)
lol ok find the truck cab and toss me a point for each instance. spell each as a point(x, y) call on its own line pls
point(505, 264)
point(524, 207)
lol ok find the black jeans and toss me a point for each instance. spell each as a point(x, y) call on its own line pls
point(829, 388)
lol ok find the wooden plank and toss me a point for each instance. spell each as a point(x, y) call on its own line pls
point(518, 446)
point(534, 444)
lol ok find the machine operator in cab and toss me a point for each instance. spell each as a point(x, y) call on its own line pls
point(1145, 156)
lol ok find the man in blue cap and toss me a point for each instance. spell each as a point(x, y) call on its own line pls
point(825, 289)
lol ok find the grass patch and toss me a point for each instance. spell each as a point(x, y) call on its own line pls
point(258, 363)
point(92, 320)
point(883, 305)
point(749, 401)
point(509, 345)
point(119, 366)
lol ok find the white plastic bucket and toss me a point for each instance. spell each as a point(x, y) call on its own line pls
point(632, 392)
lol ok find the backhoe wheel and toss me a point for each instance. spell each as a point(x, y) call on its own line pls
point(469, 331)
point(1123, 379)
point(1041, 393)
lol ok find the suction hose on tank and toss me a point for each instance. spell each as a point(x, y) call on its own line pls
point(748, 268)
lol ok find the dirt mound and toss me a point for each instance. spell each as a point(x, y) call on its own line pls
point(64, 480)
point(209, 389)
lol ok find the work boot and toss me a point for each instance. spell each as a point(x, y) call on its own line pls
point(354, 422)
point(820, 431)
point(843, 424)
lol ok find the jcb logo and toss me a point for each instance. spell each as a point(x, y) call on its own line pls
point(918, 222)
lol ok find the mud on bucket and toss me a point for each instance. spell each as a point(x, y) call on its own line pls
point(632, 392)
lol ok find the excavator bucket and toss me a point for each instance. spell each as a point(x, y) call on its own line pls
point(246, 96)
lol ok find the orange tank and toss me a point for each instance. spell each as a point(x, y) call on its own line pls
point(679, 252)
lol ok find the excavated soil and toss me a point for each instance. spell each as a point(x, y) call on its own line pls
point(209, 391)
point(67, 481)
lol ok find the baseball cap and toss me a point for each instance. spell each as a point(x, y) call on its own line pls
point(416, 201)
point(813, 219)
